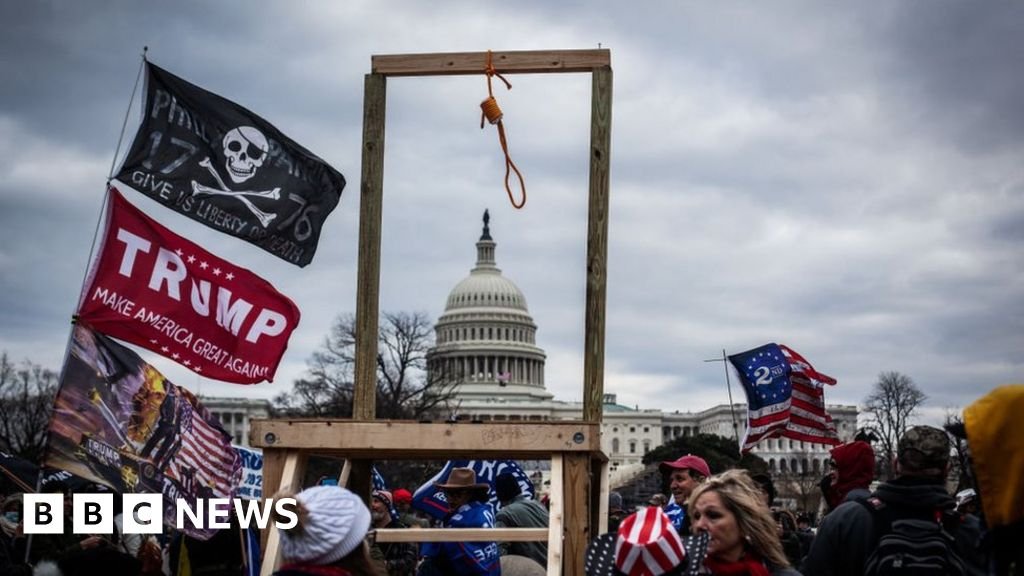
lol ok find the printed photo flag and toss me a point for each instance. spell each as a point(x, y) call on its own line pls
point(784, 396)
point(216, 162)
point(118, 422)
point(155, 289)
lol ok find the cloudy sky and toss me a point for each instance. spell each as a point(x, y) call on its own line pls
point(846, 179)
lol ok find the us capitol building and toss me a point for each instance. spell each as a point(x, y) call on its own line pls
point(486, 340)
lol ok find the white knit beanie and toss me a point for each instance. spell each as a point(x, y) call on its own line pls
point(336, 525)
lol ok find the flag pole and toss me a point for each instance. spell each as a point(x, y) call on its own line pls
point(728, 386)
point(124, 124)
point(74, 317)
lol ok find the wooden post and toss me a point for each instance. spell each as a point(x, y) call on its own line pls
point(273, 465)
point(597, 244)
point(576, 477)
point(556, 501)
point(371, 194)
point(598, 497)
point(291, 475)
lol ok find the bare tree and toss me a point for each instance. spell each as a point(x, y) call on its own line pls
point(27, 393)
point(405, 390)
point(889, 407)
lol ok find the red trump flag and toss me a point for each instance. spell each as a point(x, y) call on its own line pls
point(156, 289)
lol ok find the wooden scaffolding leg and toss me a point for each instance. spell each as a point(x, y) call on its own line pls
point(555, 499)
point(576, 511)
point(599, 503)
point(291, 476)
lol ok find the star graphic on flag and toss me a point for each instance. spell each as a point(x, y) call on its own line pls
point(152, 341)
point(198, 369)
point(216, 271)
point(164, 349)
point(179, 252)
point(191, 259)
point(204, 265)
point(175, 355)
point(230, 276)
point(188, 362)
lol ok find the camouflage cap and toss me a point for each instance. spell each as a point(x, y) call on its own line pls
point(924, 450)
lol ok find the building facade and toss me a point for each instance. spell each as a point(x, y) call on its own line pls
point(486, 341)
point(235, 413)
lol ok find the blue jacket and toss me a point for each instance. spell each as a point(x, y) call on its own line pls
point(467, 558)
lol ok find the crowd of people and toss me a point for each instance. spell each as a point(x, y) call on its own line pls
point(910, 523)
point(725, 522)
point(69, 554)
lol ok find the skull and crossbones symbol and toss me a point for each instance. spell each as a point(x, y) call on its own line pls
point(245, 150)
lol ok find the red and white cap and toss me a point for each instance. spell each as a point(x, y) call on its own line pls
point(647, 544)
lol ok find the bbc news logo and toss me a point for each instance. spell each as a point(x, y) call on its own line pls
point(144, 513)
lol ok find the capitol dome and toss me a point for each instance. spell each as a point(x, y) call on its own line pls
point(486, 288)
point(485, 339)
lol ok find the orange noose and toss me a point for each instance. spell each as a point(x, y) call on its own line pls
point(492, 113)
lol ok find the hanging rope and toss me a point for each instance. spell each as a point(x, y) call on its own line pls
point(492, 113)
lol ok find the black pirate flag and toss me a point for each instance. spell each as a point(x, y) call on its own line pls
point(216, 162)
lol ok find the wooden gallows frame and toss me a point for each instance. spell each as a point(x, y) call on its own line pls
point(579, 471)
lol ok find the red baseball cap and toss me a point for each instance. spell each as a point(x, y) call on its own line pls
point(688, 462)
point(402, 495)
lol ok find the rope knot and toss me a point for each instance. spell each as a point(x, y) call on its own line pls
point(491, 112)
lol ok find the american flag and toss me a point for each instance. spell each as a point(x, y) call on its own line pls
point(206, 456)
point(785, 396)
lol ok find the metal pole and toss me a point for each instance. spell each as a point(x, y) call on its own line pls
point(728, 386)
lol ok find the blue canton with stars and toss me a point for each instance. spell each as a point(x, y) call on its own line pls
point(764, 372)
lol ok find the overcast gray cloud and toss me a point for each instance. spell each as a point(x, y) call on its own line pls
point(841, 178)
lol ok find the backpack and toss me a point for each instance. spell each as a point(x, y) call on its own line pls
point(918, 544)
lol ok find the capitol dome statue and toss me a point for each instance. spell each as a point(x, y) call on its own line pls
point(486, 338)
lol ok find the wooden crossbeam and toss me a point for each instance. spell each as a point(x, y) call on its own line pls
point(506, 62)
point(386, 440)
point(461, 534)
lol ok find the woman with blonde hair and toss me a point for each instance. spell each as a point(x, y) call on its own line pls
point(744, 539)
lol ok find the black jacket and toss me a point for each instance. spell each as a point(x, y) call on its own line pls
point(847, 535)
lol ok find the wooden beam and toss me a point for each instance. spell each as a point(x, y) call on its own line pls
point(577, 486)
point(556, 498)
point(385, 439)
point(273, 465)
point(371, 192)
point(360, 480)
point(597, 245)
point(599, 501)
point(506, 62)
point(291, 475)
point(461, 534)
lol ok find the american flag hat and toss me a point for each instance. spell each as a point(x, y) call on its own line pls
point(646, 545)
point(600, 556)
